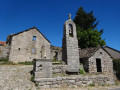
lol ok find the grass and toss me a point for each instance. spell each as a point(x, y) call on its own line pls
point(81, 71)
point(32, 78)
point(5, 61)
point(26, 63)
point(56, 62)
point(92, 85)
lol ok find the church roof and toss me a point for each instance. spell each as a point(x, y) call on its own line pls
point(88, 52)
point(115, 54)
point(26, 31)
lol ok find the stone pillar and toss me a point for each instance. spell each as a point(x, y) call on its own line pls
point(70, 53)
point(42, 68)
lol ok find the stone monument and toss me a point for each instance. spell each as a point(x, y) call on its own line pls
point(42, 68)
point(70, 51)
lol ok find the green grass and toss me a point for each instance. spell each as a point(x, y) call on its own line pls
point(56, 62)
point(92, 85)
point(32, 78)
point(5, 61)
point(26, 63)
point(81, 71)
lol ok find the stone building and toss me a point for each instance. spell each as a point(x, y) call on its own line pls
point(115, 54)
point(96, 60)
point(4, 49)
point(28, 45)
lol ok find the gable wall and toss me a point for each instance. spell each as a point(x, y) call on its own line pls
point(25, 43)
point(106, 62)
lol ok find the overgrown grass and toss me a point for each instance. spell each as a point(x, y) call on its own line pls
point(32, 78)
point(56, 62)
point(26, 63)
point(5, 61)
point(81, 71)
point(92, 85)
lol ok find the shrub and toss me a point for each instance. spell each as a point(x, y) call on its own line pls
point(92, 84)
point(32, 78)
point(3, 59)
point(81, 71)
point(26, 63)
point(116, 67)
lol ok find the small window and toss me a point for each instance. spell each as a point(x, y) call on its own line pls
point(34, 51)
point(34, 38)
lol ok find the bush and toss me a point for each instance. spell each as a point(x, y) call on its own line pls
point(116, 67)
point(81, 71)
point(92, 85)
point(3, 59)
point(32, 78)
point(26, 63)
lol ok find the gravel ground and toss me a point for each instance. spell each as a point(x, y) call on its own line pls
point(17, 77)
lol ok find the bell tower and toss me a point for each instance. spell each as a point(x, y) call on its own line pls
point(70, 53)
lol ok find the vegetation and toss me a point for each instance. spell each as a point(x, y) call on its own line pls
point(56, 62)
point(92, 84)
point(32, 78)
point(81, 71)
point(26, 63)
point(116, 67)
point(88, 35)
point(5, 61)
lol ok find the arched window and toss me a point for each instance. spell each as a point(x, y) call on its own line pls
point(70, 30)
point(55, 56)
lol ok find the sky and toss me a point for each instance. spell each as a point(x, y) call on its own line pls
point(49, 16)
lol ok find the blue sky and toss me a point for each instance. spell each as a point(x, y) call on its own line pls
point(49, 16)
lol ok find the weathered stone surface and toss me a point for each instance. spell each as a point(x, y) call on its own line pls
point(24, 48)
point(81, 81)
point(70, 53)
point(42, 68)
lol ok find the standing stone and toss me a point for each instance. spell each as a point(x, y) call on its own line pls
point(70, 53)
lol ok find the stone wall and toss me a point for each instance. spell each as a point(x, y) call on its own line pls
point(76, 81)
point(59, 69)
point(4, 51)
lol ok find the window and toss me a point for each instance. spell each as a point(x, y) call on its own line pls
point(34, 38)
point(34, 51)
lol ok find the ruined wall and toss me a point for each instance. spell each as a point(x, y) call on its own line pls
point(106, 63)
point(4, 51)
point(22, 45)
point(76, 81)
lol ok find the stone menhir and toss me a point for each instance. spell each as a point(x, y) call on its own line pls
point(70, 53)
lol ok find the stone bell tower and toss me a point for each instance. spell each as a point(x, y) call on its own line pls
point(70, 53)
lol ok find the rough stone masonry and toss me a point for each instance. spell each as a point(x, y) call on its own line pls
point(70, 53)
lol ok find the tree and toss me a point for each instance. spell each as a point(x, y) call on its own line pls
point(88, 35)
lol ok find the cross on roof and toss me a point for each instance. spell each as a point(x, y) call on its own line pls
point(69, 16)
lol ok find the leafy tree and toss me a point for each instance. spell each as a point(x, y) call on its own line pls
point(87, 35)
